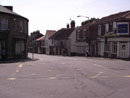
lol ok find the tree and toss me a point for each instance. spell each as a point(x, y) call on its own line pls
point(88, 21)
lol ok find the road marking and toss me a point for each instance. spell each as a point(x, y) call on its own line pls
point(97, 75)
point(20, 65)
point(52, 78)
point(97, 65)
point(17, 70)
point(127, 76)
point(11, 78)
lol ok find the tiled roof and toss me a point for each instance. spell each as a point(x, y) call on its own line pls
point(86, 26)
point(41, 38)
point(114, 16)
point(7, 11)
point(62, 34)
point(49, 33)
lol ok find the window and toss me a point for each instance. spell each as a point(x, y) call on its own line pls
point(114, 27)
point(4, 24)
point(114, 47)
point(84, 34)
point(78, 35)
point(107, 46)
point(106, 28)
point(21, 26)
point(102, 29)
point(110, 27)
point(99, 29)
point(19, 47)
point(81, 35)
point(123, 28)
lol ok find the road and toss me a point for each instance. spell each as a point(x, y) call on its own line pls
point(65, 77)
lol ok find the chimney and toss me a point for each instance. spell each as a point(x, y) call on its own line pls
point(67, 25)
point(72, 24)
point(9, 7)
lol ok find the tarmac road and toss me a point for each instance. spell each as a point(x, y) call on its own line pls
point(65, 77)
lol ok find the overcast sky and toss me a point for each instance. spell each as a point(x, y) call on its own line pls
point(55, 14)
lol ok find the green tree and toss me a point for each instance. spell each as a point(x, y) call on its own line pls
point(89, 20)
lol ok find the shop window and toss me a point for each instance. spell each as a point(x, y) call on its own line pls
point(19, 47)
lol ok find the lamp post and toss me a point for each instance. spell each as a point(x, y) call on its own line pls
point(83, 16)
point(87, 50)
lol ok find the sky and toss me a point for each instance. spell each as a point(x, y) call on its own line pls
point(55, 14)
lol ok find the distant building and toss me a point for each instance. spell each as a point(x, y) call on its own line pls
point(60, 41)
point(48, 41)
point(13, 34)
point(114, 35)
point(40, 42)
point(32, 44)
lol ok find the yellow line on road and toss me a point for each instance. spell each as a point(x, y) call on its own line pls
point(97, 65)
point(52, 78)
point(11, 78)
point(127, 76)
point(97, 75)
point(20, 65)
point(17, 70)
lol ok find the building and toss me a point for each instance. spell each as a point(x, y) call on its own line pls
point(13, 34)
point(60, 41)
point(48, 41)
point(40, 43)
point(32, 43)
point(83, 40)
point(114, 35)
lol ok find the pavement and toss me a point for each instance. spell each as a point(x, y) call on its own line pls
point(47, 76)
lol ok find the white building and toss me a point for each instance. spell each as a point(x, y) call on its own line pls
point(114, 36)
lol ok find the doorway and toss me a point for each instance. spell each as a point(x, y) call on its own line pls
point(123, 50)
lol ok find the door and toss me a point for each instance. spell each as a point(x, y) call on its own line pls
point(123, 50)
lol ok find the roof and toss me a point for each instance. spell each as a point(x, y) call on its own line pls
point(114, 16)
point(7, 11)
point(86, 26)
point(41, 38)
point(62, 34)
point(50, 33)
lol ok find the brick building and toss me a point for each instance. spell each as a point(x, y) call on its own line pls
point(13, 34)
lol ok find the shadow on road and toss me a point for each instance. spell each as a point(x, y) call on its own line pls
point(18, 60)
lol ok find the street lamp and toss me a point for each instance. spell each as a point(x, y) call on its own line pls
point(83, 16)
point(87, 37)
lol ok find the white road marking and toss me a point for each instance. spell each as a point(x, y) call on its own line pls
point(97, 75)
